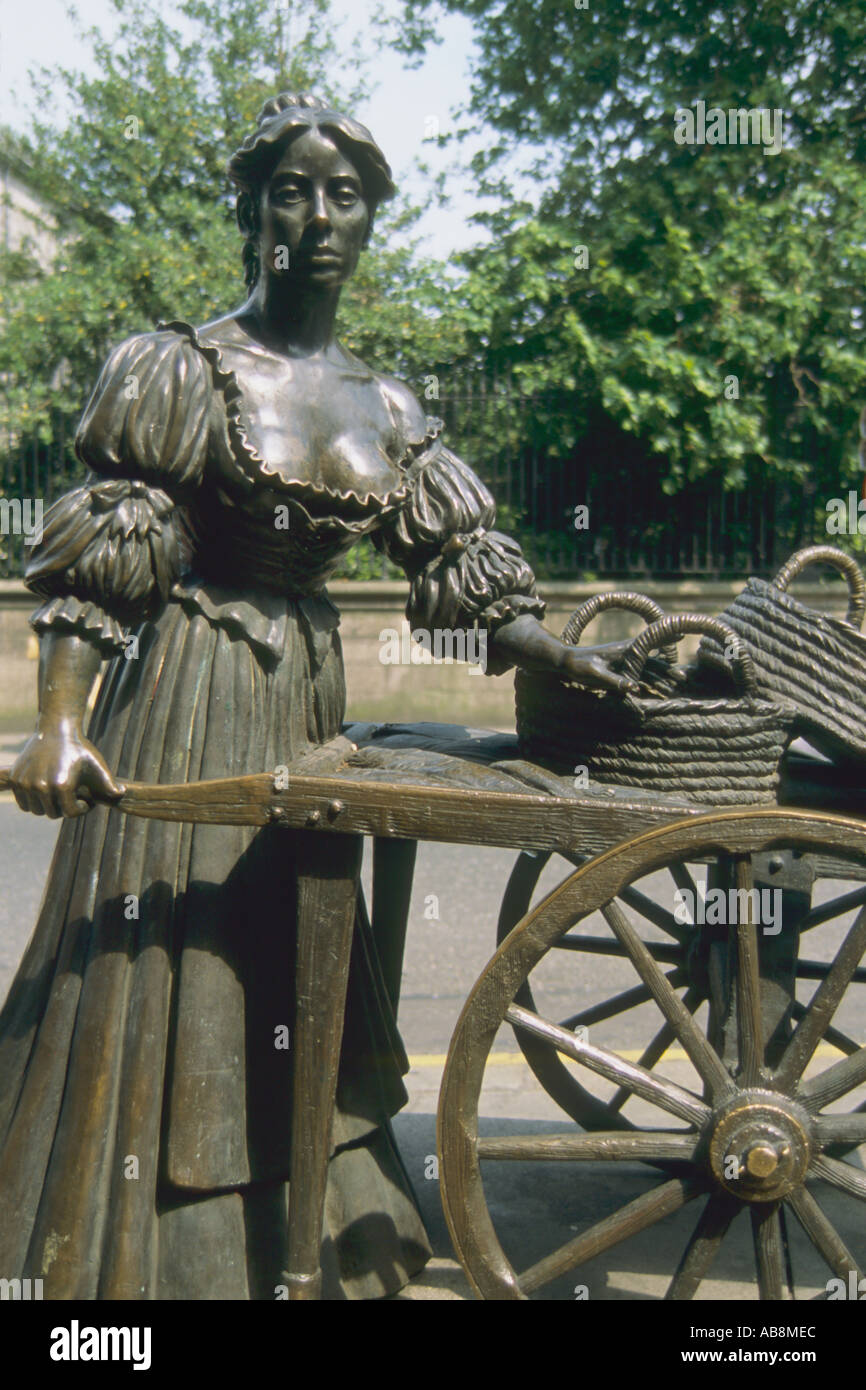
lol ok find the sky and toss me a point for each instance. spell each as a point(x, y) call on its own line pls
point(399, 111)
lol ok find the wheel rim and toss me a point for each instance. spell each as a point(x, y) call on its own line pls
point(763, 1116)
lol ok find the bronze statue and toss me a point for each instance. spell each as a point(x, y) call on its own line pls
point(144, 1135)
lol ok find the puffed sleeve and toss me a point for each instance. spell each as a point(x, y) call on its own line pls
point(462, 573)
point(112, 548)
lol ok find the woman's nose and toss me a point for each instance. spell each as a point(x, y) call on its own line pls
point(319, 216)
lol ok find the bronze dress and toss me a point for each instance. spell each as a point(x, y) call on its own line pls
point(144, 1106)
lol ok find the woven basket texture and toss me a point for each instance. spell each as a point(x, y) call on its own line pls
point(814, 663)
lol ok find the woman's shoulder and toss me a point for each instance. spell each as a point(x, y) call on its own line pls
point(147, 370)
point(148, 412)
point(164, 345)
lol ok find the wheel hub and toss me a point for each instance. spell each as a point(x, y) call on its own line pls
point(759, 1145)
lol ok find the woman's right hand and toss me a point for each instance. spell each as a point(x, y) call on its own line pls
point(58, 773)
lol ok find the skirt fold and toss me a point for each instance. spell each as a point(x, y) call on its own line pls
point(145, 1106)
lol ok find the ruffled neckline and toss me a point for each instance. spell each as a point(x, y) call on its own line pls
point(253, 470)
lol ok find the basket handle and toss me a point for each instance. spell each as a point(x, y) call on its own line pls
point(671, 628)
point(627, 599)
point(838, 560)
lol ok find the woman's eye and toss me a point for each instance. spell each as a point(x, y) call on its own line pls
point(290, 193)
point(346, 197)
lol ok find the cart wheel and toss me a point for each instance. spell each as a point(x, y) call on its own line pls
point(754, 1130)
point(676, 952)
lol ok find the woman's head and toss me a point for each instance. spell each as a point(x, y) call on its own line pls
point(283, 121)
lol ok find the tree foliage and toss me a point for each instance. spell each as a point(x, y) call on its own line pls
point(704, 262)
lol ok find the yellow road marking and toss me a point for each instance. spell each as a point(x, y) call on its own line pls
point(634, 1054)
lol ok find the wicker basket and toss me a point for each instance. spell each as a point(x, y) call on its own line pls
point(719, 752)
point(813, 663)
point(548, 707)
point(657, 677)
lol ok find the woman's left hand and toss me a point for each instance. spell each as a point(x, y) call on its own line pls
point(591, 667)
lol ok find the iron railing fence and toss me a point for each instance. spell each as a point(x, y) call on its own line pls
point(598, 507)
point(520, 445)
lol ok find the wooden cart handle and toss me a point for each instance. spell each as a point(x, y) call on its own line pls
point(360, 806)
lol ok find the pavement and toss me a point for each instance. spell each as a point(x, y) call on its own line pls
point(535, 1208)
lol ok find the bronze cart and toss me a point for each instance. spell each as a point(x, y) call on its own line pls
point(751, 1132)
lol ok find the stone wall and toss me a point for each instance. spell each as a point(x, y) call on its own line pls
point(400, 692)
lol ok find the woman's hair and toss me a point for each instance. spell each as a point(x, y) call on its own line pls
point(281, 120)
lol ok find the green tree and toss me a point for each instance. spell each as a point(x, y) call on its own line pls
point(715, 317)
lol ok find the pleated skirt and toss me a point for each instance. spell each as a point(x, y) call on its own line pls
point(145, 1047)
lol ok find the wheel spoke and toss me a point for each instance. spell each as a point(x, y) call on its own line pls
point(828, 995)
point(573, 1148)
point(823, 1234)
point(832, 1130)
point(703, 1246)
point(603, 946)
point(718, 996)
point(661, 917)
point(769, 1251)
point(836, 1081)
point(636, 1216)
point(841, 1129)
point(706, 1062)
point(842, 1175)
point(618, 1004)
point(667, 1095)
point(818, 969)
point(656, 1049)
point(825, 912)
point(683, 880)
point(786, 1245)
point(750, 1023)
point(831, 1035)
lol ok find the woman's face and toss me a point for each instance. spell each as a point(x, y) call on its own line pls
point(313, 217)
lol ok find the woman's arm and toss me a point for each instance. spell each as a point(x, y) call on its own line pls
point(110, 553)
point(58, 773)
point(524, 642)
point(463, 572)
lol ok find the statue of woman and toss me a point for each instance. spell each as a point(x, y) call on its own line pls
point(143, 1133)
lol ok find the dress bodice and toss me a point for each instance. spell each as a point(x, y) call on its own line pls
point(288, 488)
point(326, 421)
point(183, 502)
